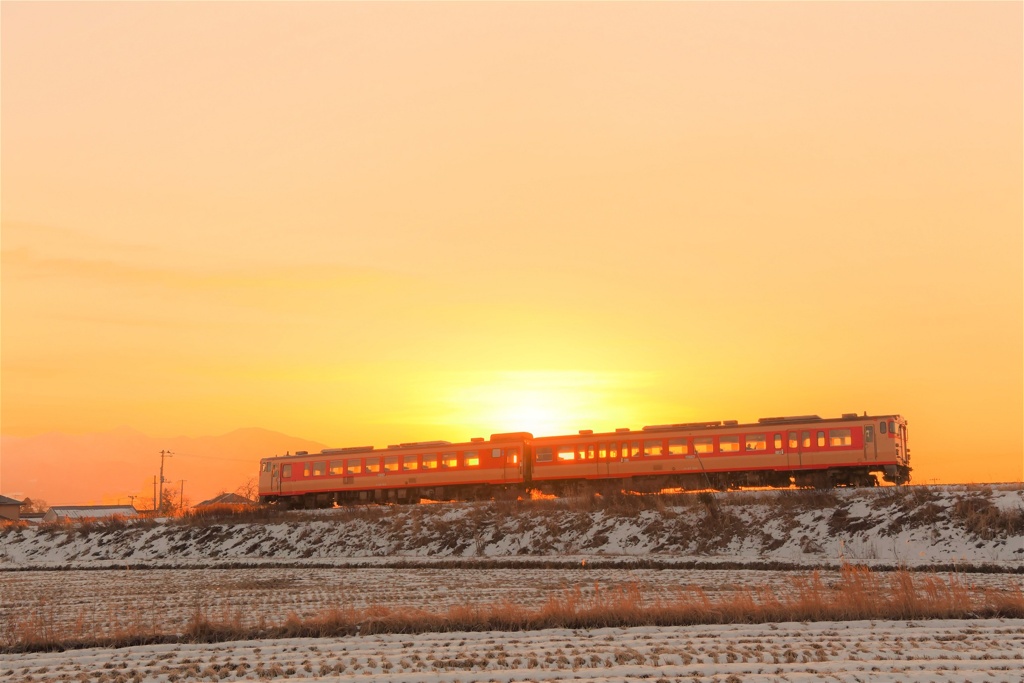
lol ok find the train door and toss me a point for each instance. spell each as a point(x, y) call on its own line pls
point(792, 449)
point(513, 466)
point(870, 445)
point(275, 478)
point(905, 450)
point(594, 452)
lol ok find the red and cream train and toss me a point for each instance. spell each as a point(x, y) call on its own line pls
point(805, 451)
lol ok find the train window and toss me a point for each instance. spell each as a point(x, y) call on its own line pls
point(319, 469)
point(471, 458)
point(566, 453)
point(839, 437)
point(410, 462)
point(728, 444)
point(372, 465)
point(354, 466)
point(613, 450)
point(449, 460)
point(430, 461)
point(821, 439)
point(703, 444)
point(589, 451)
point(881, 427)
point(544, 454)
point(305, 469)
point(634, 448)
point(778, 442)
point(602, 451)
point(390, 463)
point(512, 454)
point(805, 439)
point(755, 442)
point(892, 427)
point(793, 443)
point(286, 471)
point(265, 467)
point(869, 433)
point(336, 467)
point(495, 452)
point(652, 447)
point(677, 447)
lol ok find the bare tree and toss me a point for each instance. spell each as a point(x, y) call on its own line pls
point(174, 503)
point(250, 490)
point(34, 505)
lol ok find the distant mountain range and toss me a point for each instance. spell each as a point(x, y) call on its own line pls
point(107, 467)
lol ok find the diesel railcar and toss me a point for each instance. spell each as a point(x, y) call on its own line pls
point(801, 451)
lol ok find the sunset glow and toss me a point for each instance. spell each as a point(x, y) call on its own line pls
point(552, 402)
point(361, 223)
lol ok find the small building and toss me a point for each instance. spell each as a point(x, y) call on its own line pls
point(10, 508)
point(32, 517)
point(226, 499)
point(68, 513)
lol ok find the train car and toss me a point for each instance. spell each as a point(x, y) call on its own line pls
point(436, 470)
point(802, 450)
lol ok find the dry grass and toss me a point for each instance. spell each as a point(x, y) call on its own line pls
point(858, 594)
point(981, 517)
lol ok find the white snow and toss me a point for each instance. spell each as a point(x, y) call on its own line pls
point(912, 526)
point(953, 651)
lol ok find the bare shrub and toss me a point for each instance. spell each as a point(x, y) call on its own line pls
point(981, 517)
point(800, 501)
point(212, 514)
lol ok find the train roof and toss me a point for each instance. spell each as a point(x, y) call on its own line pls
point(709, 425)
point(715, 425)
point(478, 442)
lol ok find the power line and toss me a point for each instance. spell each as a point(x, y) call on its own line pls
point(214, 457)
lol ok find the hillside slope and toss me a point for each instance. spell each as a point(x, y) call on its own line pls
point(912, 526)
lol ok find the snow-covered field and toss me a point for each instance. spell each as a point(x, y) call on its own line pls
point(909, 526)
point(154, 577)
point(956, 651)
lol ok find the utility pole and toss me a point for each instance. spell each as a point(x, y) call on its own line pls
point(181, 499)
point(154, 494)
point(163, 454)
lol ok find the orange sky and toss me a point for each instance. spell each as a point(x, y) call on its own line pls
point(371, 223)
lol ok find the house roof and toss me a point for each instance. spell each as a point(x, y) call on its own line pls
point(4, 500)
point(226, 499)
point(90, 511)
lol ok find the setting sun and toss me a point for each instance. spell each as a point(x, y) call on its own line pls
point(543, 402)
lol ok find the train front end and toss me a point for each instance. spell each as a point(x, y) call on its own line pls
point(892, 431)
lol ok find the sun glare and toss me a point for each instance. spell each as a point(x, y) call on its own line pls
point(540, 402)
